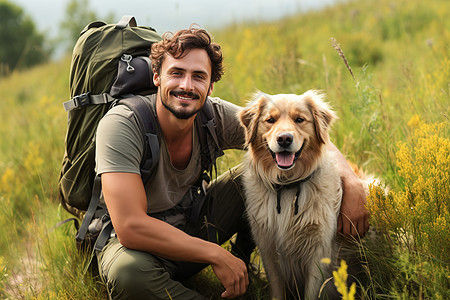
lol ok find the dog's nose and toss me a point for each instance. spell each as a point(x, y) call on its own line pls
point(285, 139)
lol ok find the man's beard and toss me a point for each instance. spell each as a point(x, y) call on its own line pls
point(183, 114)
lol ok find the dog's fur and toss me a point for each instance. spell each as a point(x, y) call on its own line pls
point(287, 137)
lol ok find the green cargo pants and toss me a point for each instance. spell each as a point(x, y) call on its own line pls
point(131, 274)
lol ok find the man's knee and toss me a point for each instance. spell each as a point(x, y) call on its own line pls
point(136, 277)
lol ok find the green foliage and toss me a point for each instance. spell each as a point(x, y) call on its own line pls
point(417, 216)
point(398, 54)
point(3, 275)
point(78, 15)
point(32, 122)
point(21, 46)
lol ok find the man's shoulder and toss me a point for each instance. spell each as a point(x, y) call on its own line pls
point(122, 111)
point(222, 102)
point(227, 125)
point(223, 107)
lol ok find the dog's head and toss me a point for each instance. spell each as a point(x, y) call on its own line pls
point(286, 133)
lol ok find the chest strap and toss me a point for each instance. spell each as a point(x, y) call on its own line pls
point(297, 184)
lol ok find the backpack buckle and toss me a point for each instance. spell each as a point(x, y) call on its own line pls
point(81, 100)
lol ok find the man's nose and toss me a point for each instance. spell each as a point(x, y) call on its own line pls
point(186, 83)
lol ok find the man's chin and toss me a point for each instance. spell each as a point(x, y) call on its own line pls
point(184, 115)
point(183, 112)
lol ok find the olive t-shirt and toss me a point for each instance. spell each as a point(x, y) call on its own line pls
point(120, 147)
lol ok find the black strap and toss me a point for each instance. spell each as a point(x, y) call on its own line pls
point(296, 200)
point(92, 208)
point(297, 184)
point(75, 223)
point(210, 150)
point(104, 235)
point(101, 241)
point(147, 122)
point(87, 99)
point(279, 200)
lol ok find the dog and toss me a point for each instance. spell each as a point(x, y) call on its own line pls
point(293, 191)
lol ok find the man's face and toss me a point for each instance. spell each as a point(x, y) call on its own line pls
point(184, 83)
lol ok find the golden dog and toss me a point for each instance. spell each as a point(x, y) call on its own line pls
point(293, 191)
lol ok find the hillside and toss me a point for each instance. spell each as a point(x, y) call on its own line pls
point(392, 96)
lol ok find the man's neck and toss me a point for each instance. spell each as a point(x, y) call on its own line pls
point(177, 134)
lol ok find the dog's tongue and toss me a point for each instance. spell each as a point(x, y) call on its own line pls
point(285, 159)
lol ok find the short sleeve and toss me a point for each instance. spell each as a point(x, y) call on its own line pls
point(230, 132)
point(119, 143)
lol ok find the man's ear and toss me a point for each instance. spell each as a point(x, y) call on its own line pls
point(211, 87)
point(156, 78)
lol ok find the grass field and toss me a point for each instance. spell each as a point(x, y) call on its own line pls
point(392, 96)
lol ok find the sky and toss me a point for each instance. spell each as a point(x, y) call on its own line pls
point(171, 15)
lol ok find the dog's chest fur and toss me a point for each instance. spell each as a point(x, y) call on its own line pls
point(290, 235)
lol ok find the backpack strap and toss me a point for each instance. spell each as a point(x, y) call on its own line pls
point(210, 149)
point(87, 99)
point(126, 21)
point(213, 149)
point(92, 208)
point(147, 121)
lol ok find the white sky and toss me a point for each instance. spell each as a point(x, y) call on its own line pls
point(171, 15)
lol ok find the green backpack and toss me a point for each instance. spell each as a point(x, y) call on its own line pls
point(110, 66)
point(99, 56)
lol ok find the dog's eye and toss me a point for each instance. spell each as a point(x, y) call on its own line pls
point(270, 120)
point(299, 120)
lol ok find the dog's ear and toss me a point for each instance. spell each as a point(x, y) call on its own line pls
point(322, 115)
point(250, 115)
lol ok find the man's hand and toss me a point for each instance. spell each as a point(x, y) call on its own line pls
point(232, 273)
point(354, 217)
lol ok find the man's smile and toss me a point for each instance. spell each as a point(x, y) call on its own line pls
point(185, 95)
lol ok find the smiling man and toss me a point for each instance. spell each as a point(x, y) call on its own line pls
point(173, 227)
point(159, 242)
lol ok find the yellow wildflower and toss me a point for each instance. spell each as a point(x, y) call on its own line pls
point(340, 280)
point(33, 161)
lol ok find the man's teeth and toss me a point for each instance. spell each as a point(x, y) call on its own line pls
point(184, 98)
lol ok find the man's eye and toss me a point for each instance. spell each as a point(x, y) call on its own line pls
point(299, 120)
point(270, 120)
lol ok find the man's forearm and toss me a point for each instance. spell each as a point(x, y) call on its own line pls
point(164, 240)
point(127, 205)
point(354, 216)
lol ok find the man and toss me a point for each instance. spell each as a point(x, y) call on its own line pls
point(155, 250)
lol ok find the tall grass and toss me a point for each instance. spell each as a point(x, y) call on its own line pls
point(393, 108)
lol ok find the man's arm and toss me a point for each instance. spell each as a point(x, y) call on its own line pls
point(127, 205)
point(354, 217)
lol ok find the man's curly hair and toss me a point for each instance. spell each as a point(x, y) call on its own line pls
point(178, 44)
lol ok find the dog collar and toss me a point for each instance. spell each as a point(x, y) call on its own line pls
point(298, 184)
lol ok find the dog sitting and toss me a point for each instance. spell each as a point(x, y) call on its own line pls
point(293, 191)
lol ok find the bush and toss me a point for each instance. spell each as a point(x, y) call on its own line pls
point(417, 216)
point(21, 45)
